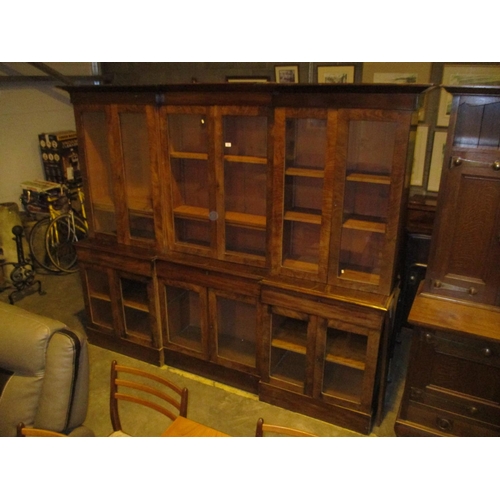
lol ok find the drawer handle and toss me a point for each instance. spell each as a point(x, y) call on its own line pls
point(486, 352)
point(496, 166)
point(473, 410)
point(444, 424)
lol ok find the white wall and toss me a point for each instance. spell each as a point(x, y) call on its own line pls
point(25, 112)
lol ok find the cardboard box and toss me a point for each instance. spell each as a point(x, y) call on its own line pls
point(59, 151)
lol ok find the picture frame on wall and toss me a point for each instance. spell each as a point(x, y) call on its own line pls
point(336, 74)
point(437, 159)
point(417, 171)
point(454, 74)
point(287, 74)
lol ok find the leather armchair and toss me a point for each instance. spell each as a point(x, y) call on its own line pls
point(44, 374)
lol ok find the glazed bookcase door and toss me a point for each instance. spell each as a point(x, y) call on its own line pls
point(184, 309)
point(292, 345)
point(138, 166)
point(348, 369)
point(303, 184)
point(93, 125)
point(235, 324)
point(465, 252)
point(242, 166)
point(187, 134)
point(138, 313)
point(96, 281)
point(370, 177)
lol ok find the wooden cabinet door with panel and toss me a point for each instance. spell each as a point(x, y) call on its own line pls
point(120, 172)
point(208, 326)
point(219, 181)
point(465, 250)
point(370, 182)
point(303, 191)
point(120, 292)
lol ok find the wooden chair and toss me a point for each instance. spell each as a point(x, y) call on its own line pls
point(172, 405)
point(278, 429)
point(23, 431)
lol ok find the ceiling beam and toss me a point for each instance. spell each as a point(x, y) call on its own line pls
point(52, 72)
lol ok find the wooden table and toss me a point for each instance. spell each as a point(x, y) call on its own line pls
point(183, 427)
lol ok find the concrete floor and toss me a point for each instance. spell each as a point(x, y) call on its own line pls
point(231, 411)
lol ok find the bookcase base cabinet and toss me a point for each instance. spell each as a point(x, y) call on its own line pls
point(120, 294)
point(453, 381)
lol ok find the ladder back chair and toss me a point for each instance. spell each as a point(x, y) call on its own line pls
point(171, 404)
point(23, 431)
point(278, 429)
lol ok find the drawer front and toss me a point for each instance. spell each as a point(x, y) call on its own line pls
point(473, 408)
point(448, 424)
point(472, 349)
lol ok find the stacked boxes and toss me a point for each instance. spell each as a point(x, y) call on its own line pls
point(59, 152)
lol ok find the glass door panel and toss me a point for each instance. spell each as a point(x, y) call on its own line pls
point(100, 178)
point(99, 297)
point(184, 318)
point(288, 349)
point(305, 161)
point(236, 331)
point(190, 184)
point(245, 183)
point(344, 365)
point(136, 158)
point(370, 158)
point(136, 313)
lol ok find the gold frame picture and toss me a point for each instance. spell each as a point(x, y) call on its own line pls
point(287, 74)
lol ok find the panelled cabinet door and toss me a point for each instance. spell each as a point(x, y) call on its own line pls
point(369, 183)
point(184, 309)
point(218, 181)
point(93, 125)
point(303, 183)
point(118, 151)
point(135, 151)
point(235, 324)
point(465, 253)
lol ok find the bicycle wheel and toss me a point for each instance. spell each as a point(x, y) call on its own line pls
point(38, 248)
point(62, 234)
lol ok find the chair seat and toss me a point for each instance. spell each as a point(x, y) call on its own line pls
point(119, 434)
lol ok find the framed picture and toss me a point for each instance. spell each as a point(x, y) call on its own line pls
point(336, 74)
point(437, 159)
point(287, 74)
point(396, 72)
point(417, 171)
point(454, 74)
point(247, 79)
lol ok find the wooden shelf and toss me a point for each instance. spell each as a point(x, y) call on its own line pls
point(291, 338)
point(369, 178)
point(133, 304)
point(346, 349)
point(246, 159)
point(188, 156)
point(190, 212)
point(100, 296)
point(365, 225)
point(299, 265)
point(246, 220)
point(305, 172)
point(302, 217)
point(360, 276)
point(238, 350)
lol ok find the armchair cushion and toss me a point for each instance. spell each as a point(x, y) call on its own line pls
point(43, 373)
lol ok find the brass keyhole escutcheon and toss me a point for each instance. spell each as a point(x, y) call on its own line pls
point(496, 166)
point(457, 162)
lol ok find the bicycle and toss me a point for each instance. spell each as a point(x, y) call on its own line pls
point(52, 238)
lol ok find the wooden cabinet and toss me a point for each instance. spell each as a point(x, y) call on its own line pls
point(262, 226)
point(465, 251)
point(120, 294)
point(321, 352)
point(453, 383)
